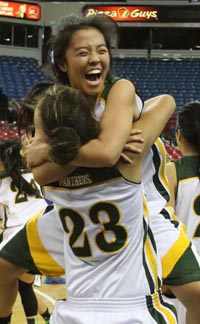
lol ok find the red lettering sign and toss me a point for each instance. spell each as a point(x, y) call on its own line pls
point(20, 10)
point(125, 13)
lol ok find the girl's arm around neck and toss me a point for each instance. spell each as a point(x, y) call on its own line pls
point(115, 127)
point(157, 112)
point(49, 172)
point(97, 153)
point(151, 123)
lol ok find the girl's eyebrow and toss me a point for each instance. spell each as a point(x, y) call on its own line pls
point(80, 47)
point(85, 47)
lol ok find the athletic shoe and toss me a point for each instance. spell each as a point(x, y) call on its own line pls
point(54, 280)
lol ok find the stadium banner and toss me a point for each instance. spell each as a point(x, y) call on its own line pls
point(125, 13)
point(21, 10)
point(138, 13)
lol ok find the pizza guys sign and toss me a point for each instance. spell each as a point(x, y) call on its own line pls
point(125, 13)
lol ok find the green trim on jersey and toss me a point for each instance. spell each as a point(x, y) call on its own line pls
point(161, 311)
point(191, 272)
point(167, 215)
point(153, 279)
point(145, 263)
point(156, 180)
point(19, 244)
point(187, 167)
point(109, 82)
point(86, 177)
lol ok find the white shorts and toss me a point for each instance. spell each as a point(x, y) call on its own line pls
point(180, 263)
point(141, 310)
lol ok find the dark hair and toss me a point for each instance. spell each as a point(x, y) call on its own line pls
point(67, 121)
point(12, 162)
point(69, 24)
point(189, 124)
point(10, 148)
point(29, 102)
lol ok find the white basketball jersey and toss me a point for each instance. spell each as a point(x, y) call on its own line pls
point(19, 207)
point(188, 196)
point(154, 179)
point(109, 249)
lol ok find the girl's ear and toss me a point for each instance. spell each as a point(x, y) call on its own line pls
point(63, 67)
point(178, 135)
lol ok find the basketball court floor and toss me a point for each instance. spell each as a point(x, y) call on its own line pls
point(48, 292)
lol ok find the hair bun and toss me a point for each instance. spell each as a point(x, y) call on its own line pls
point(65, 144)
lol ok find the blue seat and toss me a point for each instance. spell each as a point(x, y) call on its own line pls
point(18, 74)
point(178, 78)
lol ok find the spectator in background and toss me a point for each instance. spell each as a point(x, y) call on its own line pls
point(3, 105)
point(184, 177)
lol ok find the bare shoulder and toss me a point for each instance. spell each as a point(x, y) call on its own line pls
point(122, 90)
point(121, 86)
point(124, 83)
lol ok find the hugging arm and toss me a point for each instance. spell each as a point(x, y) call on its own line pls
point(115, 127)
point(157, 112)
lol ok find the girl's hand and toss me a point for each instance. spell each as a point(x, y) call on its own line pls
point(35, 151)
point(133, 145)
